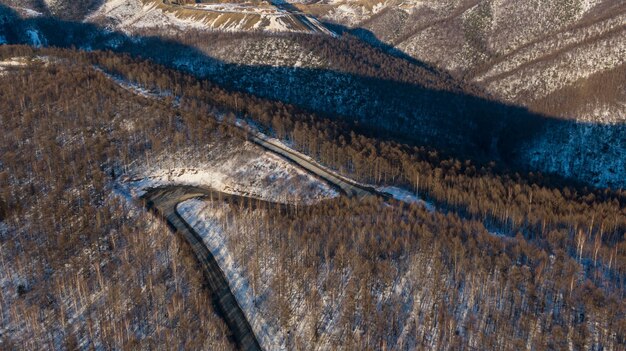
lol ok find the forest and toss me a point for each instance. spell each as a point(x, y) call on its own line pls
point(508, 259)
point(81, 267)
point(361, 275)
point(377, 91)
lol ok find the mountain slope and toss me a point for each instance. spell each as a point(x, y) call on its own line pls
point(519, 51)
point(496, 260)
point(379, 93)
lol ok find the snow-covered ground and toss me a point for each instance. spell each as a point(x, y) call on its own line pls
point(406, 196)
point(14, 62)
point(241, 243)
point(21, 62)
point(204, 176)
point(130, 15)
point(240, 8)
point(236, 168)
point(28, 13)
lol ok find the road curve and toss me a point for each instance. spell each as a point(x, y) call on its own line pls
point(346, 185)
point(164, 202)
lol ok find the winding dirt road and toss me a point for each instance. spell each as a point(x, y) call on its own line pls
point(164, 201)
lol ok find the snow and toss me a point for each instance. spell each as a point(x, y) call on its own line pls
point(28, 13)
point(235, 168)
point(130, 15)
point(221, 230)
point(34, 37)
point(51, 3)
point(604, 114)
point(378, 7)
point(586, 5)
point(240, 8)
point(276, 25)
point(206, 224)
point(127, 15)
point(406, 196)
point(212, 222)
point(319, 27)
point(546, 77)
point(349, 14)
point(14, 62)
point(21, 62)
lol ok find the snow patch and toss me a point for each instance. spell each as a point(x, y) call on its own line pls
point(35, 39)
point(236, 168)
point(406, 196)
point(28, 13)
point(14, 62)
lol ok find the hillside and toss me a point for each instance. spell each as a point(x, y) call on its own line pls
point(519, 51)
point(70, 221)
point(251, 16)
point(296, 175)
point(83, 266)
point(386, 91)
